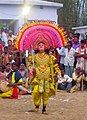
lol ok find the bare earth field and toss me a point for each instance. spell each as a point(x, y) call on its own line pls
point(63, 106)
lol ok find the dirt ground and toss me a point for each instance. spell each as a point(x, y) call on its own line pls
point(63, 106)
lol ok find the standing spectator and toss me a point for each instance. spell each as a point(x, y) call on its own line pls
point(0, 33)
point(86, 57)
point(1, 44)
point(70, 36)
point(6, 56)
point(12, 50)
point(75, 41)
point(4, 37)
point(57, 56)
point(81, 54)
point(69, 59)
point(17, 58)
point(1, 52)
point(11, 36)
point(10, 46)
point(1, 56)
point(76, 45)
point(62, 56)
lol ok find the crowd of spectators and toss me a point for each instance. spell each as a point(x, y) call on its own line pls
point(72, 60)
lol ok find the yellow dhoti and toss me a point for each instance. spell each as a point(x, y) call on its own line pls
point(42, 91)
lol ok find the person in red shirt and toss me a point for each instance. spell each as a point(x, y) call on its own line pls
point(1, 44)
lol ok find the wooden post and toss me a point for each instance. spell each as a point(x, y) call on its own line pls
point(26, 59)
point(82, 85)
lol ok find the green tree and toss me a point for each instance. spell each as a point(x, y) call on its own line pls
point(69, 14)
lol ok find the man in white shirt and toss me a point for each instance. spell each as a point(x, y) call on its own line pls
point(62, 56)
point(64, 81)
point(69, 59)
point(4, 38)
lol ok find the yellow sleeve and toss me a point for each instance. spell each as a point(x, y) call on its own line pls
point(54, 67)
point(57, 69)
point(20, 81)
point(31, 61)
point(52, 59)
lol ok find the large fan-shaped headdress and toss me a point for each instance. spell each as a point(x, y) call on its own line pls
point(32, 33)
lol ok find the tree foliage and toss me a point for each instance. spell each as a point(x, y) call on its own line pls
point(71, 14)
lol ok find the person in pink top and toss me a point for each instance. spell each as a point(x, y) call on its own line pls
point(81, 54)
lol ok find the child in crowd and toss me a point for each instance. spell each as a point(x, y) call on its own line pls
point(25, 77)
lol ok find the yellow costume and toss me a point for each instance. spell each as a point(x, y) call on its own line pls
point(43, 82)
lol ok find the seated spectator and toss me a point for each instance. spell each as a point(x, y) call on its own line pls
point(64, 81)
point(24, 74)
point(7, 69)
point(78, 78)
point(2, 77)
point(14, 79)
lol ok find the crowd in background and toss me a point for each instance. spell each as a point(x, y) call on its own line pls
point(72, 61)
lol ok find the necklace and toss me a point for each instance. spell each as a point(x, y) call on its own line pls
point(42, 59)
point(41, 55)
